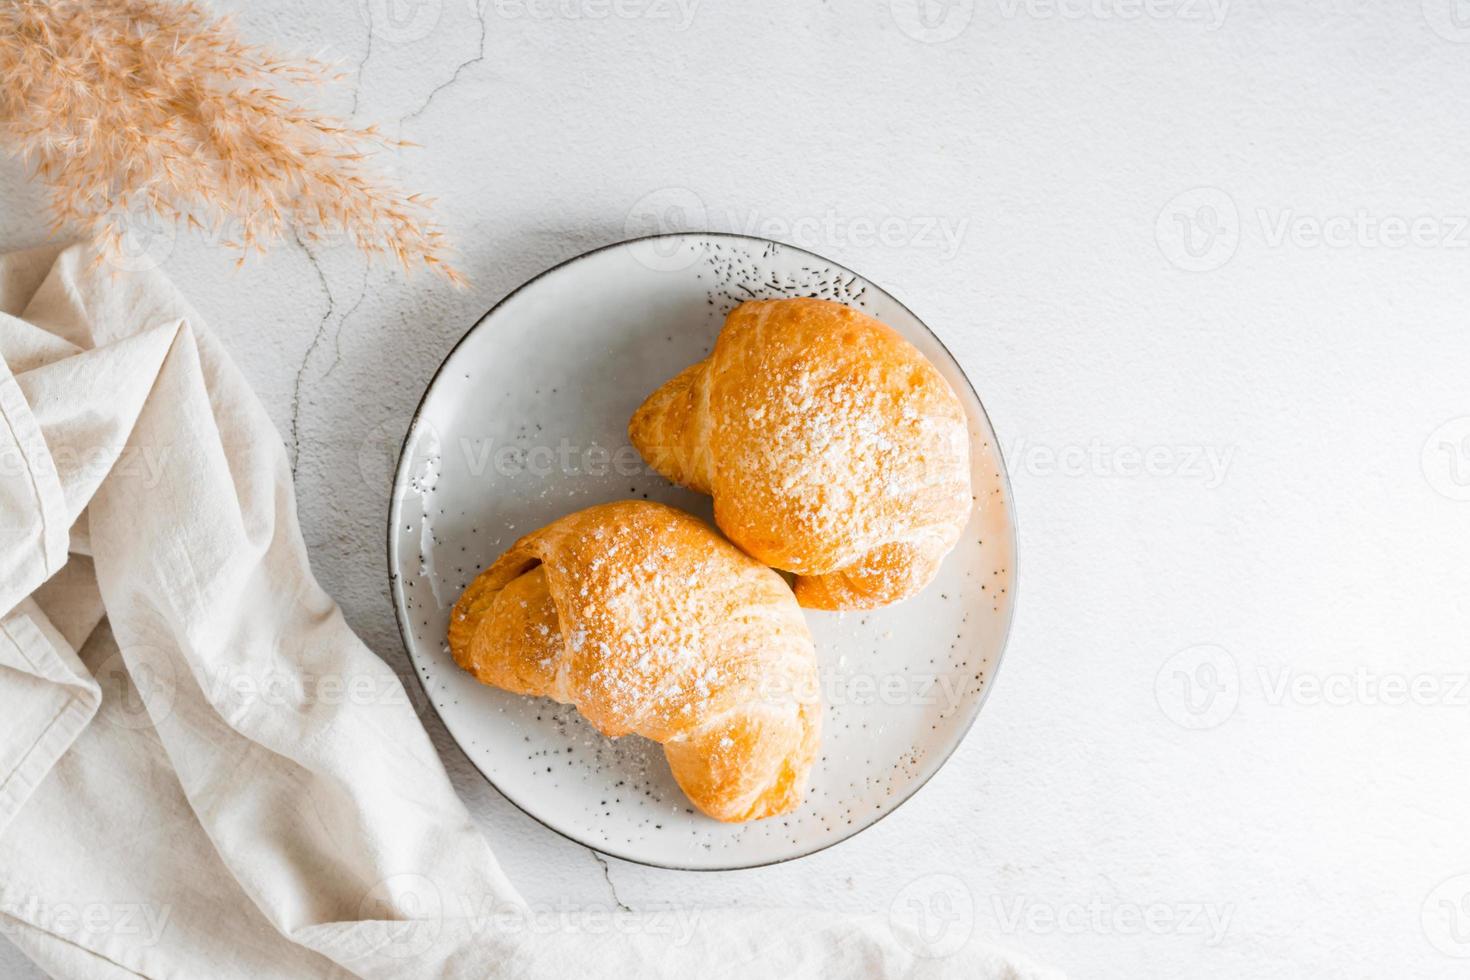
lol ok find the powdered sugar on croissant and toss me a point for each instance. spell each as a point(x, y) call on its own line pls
point(651, 623)
point(832, 447)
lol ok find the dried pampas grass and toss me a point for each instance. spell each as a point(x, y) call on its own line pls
point(123, 106)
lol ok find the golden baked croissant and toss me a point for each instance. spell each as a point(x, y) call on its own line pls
point(648, 621)
point(833, 449)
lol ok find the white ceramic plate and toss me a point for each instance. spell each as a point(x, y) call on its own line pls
point(525, 421)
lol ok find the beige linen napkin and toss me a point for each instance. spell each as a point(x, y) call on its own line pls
point(203, 772)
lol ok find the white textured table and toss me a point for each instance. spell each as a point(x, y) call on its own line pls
point(1207, 268)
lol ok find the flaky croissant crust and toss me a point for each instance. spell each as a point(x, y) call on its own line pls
point(649, 622)
point(832, 447)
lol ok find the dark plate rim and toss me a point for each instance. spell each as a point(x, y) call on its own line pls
point(1011, 524)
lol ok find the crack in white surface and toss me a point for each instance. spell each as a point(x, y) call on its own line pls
point(362, 62)
point(480, 16)
point(342, 323)
point(316, 341)
point(607, 874)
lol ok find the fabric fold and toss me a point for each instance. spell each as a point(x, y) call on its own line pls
point(49, 696)
point(85, 406)
point(33, 513)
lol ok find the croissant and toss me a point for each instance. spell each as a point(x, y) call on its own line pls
point(649, 622)
point(832, 447)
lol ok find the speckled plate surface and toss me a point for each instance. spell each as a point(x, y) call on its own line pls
point(525, 421)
